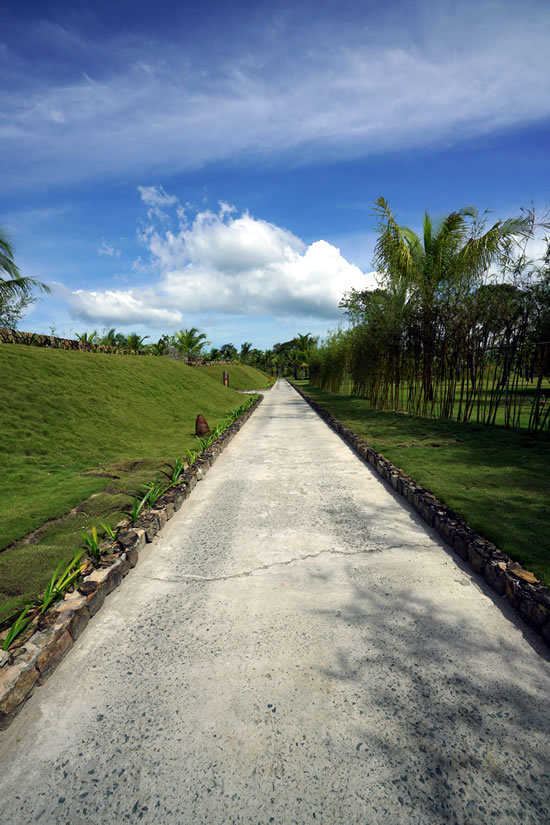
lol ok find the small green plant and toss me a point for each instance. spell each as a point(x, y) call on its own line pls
point(154, 490)
point(138, 504)
point(191, 457)
point(59, 583)
point(175, 470)
point(93, 548)
point(17, 627)
point(112, 534)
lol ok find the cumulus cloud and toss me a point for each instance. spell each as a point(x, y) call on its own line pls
point(122, 307)
point(222, 262)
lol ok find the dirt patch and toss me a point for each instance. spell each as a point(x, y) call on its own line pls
point(100, 475)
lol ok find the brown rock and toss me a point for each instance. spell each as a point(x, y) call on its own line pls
point(132, 556)
point(16, 684)
point(52, 654)
point(495, 576)
point(74, 616)
point(524, 575)
point(460, 545)
point(513, 590)
point(87, 587)
point(425, 509)
point(95, 600)
point(201, 426)
point(128, 538)
point(478, 556)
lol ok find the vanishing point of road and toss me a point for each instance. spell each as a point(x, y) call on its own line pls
point(294, 647)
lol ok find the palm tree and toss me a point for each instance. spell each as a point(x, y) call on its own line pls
point(449, 260)
point(16, 286)
point(245, 351)
point(134, 342)
point(189, 342)
point(161, 347)
point(88, 337)
point(112, 338)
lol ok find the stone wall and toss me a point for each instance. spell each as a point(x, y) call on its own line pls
point(14, 336)
point(508, 578)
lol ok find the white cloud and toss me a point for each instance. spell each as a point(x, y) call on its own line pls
point(229, 264)
point(156, 196)
point(108, 249)
point(310, 94)
point(122, 307)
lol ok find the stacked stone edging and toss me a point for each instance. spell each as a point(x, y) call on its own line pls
point(508, 578)
point(29, 665)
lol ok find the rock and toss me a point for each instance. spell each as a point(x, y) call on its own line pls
point(162, 518)
point(201, 426)
point(513, 590)
point(16, 684)
point(444, 526)
point(425, 509)
point(534, 613)
point(460, 545)
point(74, 615)
point(95, 600)
point(525, 575)
point(47, 619)
point(109, 577)
point(87, 587)
point(132, 556)
point(128, 538)
point(478, 555)
point(495, 576)
point(52, 654)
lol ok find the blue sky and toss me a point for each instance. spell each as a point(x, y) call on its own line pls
point(215, 164)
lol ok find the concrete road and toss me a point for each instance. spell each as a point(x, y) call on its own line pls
point(295, 647)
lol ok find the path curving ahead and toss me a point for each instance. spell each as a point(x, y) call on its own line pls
point(294, 647)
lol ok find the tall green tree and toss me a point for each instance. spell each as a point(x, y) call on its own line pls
point(134, 342)
point(229, 352)
point(112, 338)
point(445, 263)
point(16, 285)
point(189, 343)
point(245, 351)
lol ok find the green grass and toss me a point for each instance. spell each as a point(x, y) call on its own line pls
point(65, 414)
point(497, 480)
point(241, 377)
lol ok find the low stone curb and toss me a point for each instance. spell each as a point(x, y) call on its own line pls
point(508, 578)
point(27, 666)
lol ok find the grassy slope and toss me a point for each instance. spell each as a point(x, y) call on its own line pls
point(241, 377)
point(497, 480)
point(66, 413)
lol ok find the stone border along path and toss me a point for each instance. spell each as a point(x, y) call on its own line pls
point(508, 578)
point(25, 667)
point(296, 647)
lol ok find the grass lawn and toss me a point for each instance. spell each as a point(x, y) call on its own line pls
point(241, 377)
point(67, 415)
point(497, 480)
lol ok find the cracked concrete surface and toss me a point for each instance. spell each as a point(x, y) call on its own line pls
point(295, 647)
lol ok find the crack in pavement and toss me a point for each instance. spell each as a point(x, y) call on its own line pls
point(191, 577)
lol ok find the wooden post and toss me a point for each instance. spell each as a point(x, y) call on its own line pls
point(225, 378)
